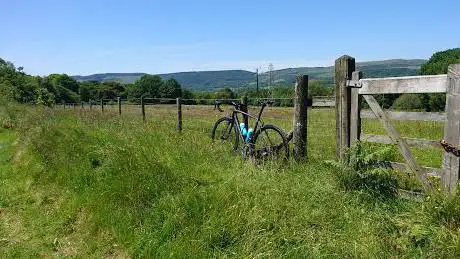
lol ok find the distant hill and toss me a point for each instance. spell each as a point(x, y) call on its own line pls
point(212, 80)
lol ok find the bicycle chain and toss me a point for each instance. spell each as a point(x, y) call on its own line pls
point(450, 148)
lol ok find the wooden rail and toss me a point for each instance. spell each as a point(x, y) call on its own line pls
point(403, 85)
point(413, 142)
point(428, 171)
point(397, 115)
point(323, 101)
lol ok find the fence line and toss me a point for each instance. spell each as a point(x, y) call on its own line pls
point(298, 134)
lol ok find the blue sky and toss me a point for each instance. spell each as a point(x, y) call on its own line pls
point(85, 37)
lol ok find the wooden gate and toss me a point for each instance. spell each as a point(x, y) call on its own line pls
point(351, 88)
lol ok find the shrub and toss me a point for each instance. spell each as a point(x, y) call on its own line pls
point(360, 171)
point(408, 102)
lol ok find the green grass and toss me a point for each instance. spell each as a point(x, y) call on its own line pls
point(90, 185)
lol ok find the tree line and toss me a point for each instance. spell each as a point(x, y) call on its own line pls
point(18, 86)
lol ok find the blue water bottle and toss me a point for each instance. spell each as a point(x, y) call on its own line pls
point(244, 131)
point(249, 134)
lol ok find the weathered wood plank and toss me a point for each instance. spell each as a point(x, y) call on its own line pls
point(323, 102)
point(344, 67)
point(396, 115)
point(355, 113)
point(452, 129)
point(396, 137)
point(300, 118)
point(406, 84)
point(428, 171)
point(410, 195)
point(413, 142)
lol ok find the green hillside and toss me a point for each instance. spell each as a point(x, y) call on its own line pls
point(212, 80)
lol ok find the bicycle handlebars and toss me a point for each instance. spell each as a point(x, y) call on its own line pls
point(217, 105)
point(237, 105)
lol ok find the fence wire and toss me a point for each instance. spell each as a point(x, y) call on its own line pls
point(199, 116)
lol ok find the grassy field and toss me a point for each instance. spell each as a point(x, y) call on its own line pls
point(86, 184)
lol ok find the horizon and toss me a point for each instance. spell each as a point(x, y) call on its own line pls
point(86, 38)
point(223, 70)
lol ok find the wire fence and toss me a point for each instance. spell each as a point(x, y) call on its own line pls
point(200, 116)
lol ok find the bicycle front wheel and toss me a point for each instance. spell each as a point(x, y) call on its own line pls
point(224, 133)
point(270, 143)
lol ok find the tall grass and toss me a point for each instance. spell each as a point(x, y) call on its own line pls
point(92, 185)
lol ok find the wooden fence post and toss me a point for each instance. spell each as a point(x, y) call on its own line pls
point(451, 163)
point(63, 104)
point(344, 67)
point(119, 105)
point(355, 116)
point(143, 108)
point(102, 105)
point(179, 114)
point(244, 108)
point(300, 118)
point(82, 105)
point(90, 104)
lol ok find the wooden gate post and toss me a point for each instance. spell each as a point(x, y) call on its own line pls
point(119, 105)
point(244, 108)
point(143, 108)
point(102, 105)
point(451, 163)
point(355, 112)
point(344, 67)
point(179, 114)
point(300, 118)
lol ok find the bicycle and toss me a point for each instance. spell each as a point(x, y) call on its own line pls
point(268, 141)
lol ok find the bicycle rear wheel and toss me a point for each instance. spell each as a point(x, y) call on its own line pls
point(270, 143)
point(224, 133)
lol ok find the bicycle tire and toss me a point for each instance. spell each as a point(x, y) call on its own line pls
point(279, 146)
point(230, 123)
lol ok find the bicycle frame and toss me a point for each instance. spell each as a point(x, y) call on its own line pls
point(236, 121)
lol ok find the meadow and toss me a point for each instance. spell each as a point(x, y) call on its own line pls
point(81, 183)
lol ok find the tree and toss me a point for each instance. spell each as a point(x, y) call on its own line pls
point(408, 102)
point(440, 61)
point(225, 93)
point(170, 89)
point(318, 88)
point(43, 93)
point(436, 65)
point(64, 88)
point(147, 85)
point(20, 87)
point(65, 81)
point(187, 94)
point(109, 90)
point(88, 90)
